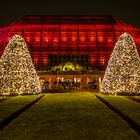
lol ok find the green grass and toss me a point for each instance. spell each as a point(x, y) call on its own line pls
point(68, 117)
point(127, 106)
point(12, 105)
point(138, 97)
point(4, 98)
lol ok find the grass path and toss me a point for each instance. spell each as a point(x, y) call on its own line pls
point(68, 117)
point(12, 105)
point(129, 107)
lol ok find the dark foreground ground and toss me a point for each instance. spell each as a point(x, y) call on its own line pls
point(69, 116)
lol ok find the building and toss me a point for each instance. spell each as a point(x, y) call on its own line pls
point(55, 40)
point(87, 40)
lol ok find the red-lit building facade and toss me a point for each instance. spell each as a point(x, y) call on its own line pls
point(87, 40)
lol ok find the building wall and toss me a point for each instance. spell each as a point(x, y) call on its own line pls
point(46, 36)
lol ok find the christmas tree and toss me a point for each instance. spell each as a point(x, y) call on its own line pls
point(17, 72)
point(123, 71)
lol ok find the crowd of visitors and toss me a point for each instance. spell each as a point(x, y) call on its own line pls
point(68, 85)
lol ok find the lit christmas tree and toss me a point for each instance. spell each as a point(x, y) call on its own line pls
point(17, 72)
point(123, 71)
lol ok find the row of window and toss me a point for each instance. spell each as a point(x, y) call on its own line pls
point(52, 59)
point(67, 27)
point(55, 37)
point(81, 59)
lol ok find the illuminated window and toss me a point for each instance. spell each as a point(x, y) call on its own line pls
point(36, 61)
point(102, 61)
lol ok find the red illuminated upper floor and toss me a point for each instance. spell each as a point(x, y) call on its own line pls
point(64, 35)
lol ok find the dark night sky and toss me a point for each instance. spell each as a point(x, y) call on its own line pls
point(127, 10)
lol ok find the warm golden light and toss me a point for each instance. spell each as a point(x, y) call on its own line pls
point(17, 72)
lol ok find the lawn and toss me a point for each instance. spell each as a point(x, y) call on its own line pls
point(129, 107)
point(137, 97)
point(2, 98)
point(68, 117)
point(14, 104)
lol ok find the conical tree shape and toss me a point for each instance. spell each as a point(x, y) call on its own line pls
point(17, 72)
point(123, 71)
